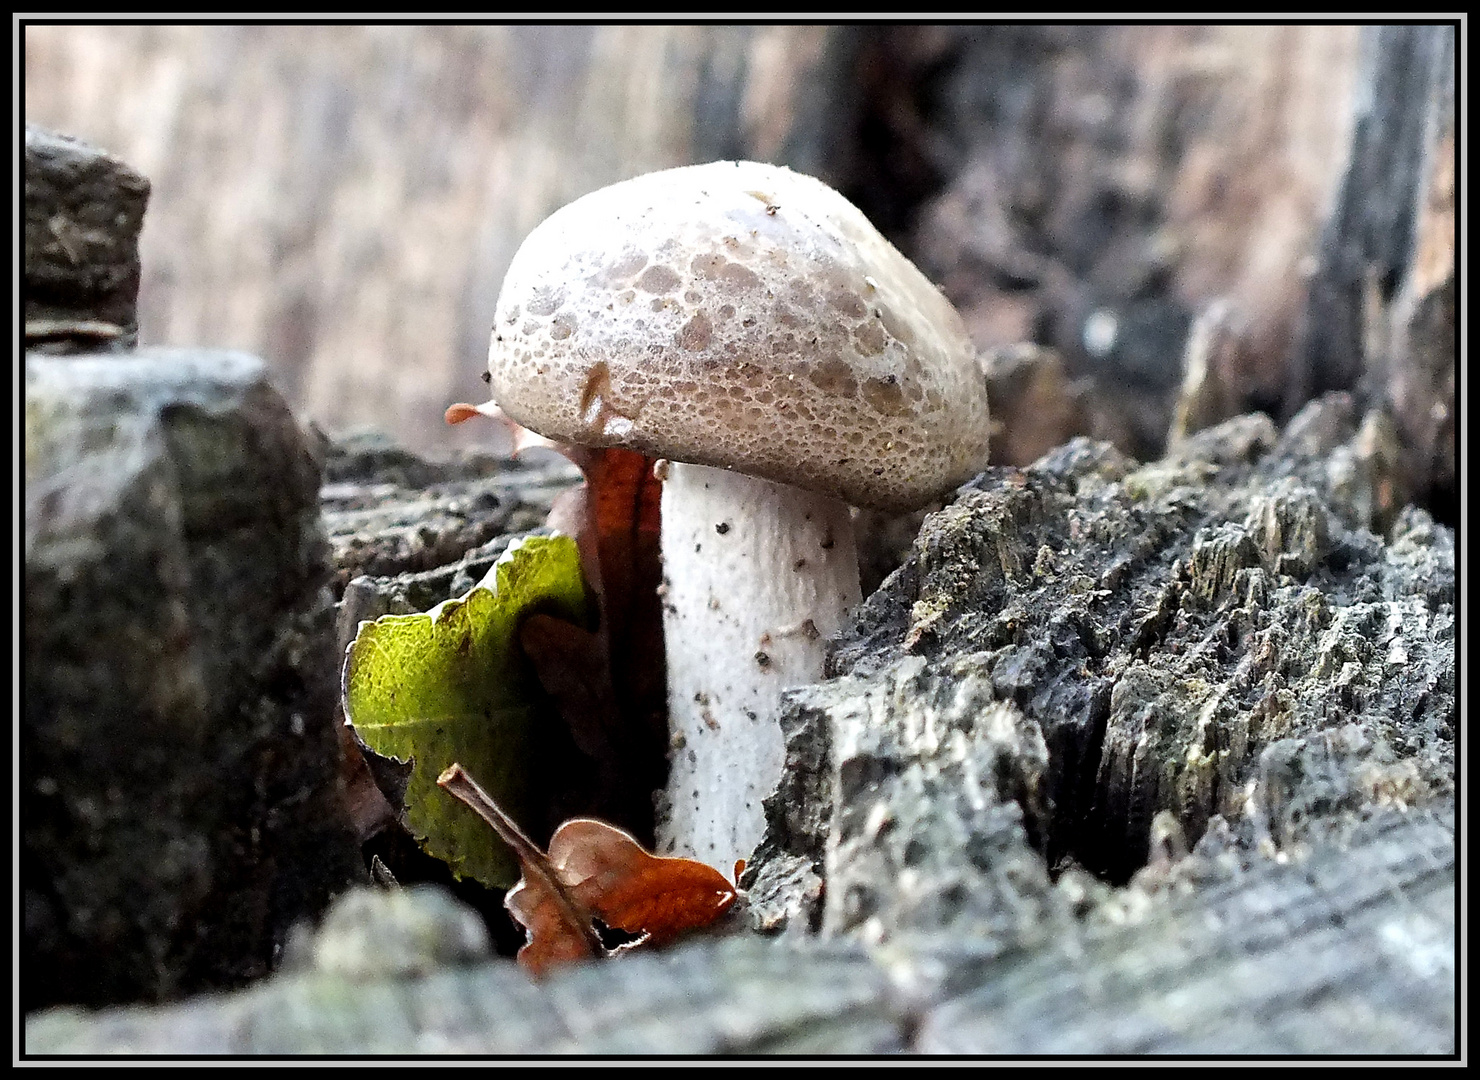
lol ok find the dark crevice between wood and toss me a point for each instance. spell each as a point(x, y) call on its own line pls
point(1073, 765)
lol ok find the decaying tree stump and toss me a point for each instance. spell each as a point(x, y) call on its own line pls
point(1202, 677)
point(1079, 649)
point(1123, 759)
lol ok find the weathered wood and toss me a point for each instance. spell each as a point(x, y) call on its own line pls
point(950, 789)
point(1382, 310)
point(180, 801)
point(1083, 664)
point(1094, 188)
point(1213, 634)
point(435, 527)
point(83, 212)
point(1347, 950)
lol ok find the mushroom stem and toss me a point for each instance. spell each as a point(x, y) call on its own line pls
point(756, 576)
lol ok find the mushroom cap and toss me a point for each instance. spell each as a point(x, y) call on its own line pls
point(747, 317)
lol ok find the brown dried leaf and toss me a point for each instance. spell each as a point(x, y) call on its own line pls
point(558, 926)
point(594, 870)
point(617, 529)
point(630, 889)
point(570, 663)
point(364, 803)
point(554, 936)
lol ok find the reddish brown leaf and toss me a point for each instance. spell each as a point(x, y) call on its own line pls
point(632, 890)
point(552, 937)
point(623, 501)
point(558, 927)
point(521, 437)
point(594, 870)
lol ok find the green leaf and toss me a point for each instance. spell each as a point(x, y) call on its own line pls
point(453, 685)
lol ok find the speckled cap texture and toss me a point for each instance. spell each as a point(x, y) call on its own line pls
point(747, 317)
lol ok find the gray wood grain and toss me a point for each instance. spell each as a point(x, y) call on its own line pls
point(1346, 951)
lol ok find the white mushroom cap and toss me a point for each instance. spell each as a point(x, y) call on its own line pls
point(743, 316)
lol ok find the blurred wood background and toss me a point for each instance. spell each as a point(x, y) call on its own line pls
point(344, 200)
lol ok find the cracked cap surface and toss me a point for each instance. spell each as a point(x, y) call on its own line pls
point(747, 317)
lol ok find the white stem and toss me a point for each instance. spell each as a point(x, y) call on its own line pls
point(756, 576)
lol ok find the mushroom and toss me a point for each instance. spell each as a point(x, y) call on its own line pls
point(748, 325)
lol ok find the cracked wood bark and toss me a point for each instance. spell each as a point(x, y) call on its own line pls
point(1146, 734)
point(180, 800)
point(1348, 951)
point(1202, 677)
point(1186, 635)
